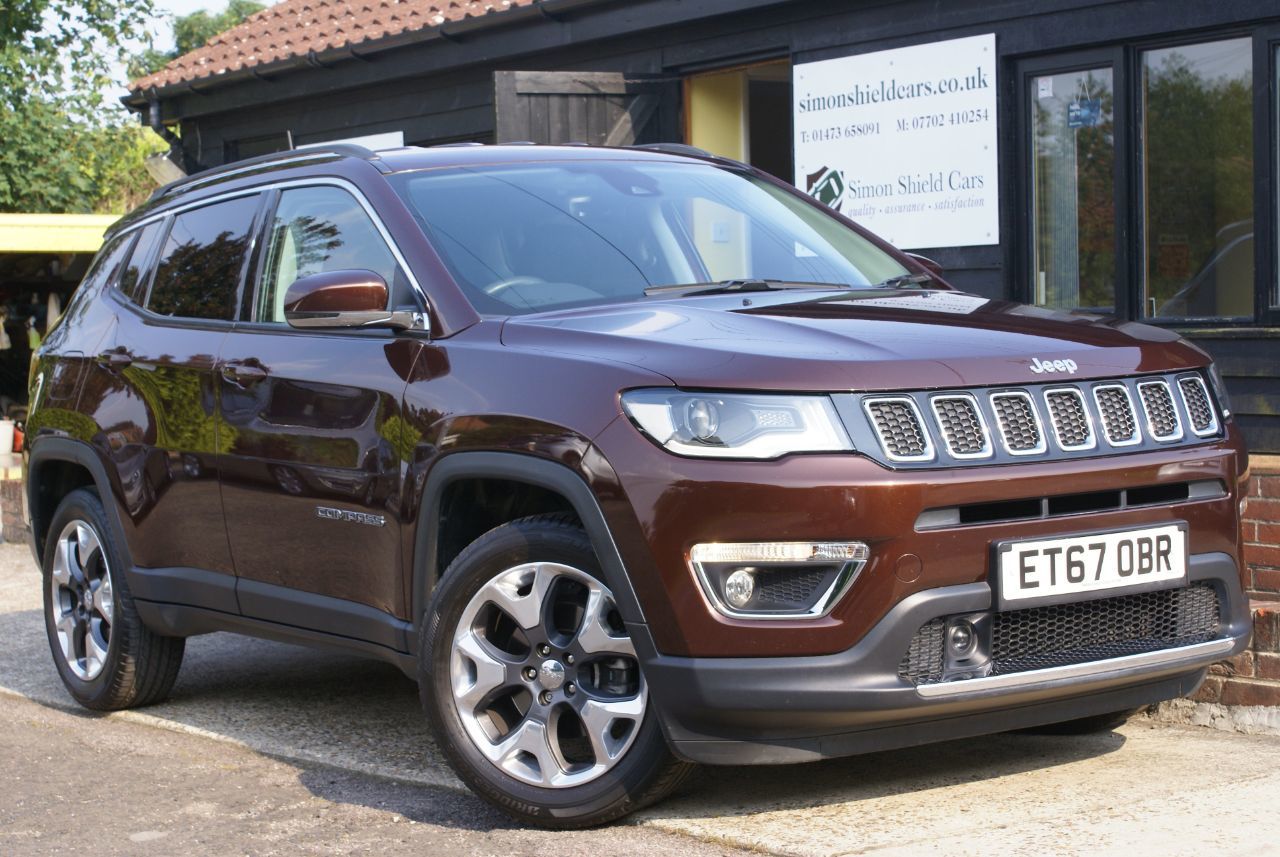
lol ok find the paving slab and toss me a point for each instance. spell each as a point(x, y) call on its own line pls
point(1147, 789)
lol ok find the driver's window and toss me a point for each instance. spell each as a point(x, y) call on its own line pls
point(319, 229)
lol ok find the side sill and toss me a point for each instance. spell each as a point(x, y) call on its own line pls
point(180, 620)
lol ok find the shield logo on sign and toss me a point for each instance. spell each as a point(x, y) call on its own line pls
point(827, 187)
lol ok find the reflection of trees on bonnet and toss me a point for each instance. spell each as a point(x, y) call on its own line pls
point(198, 280)
point(315, 240)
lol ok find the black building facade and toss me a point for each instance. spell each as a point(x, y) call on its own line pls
point(1137, 140)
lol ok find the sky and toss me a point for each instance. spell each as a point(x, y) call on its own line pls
point(161, 29)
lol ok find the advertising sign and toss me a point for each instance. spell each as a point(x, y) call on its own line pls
point(904, 141)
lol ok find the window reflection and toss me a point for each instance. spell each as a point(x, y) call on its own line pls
point(1197, 158)
point(1073, 164)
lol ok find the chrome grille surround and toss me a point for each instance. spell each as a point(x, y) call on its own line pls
point(936, 428)
point(1163, 421)
point(1199, 406)
point(1018, 421)
point(900, 427)
point(1069, 416)
point(964, 431)
point(1118, 417)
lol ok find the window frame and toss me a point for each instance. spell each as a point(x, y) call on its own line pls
point(250, 299)
point(1126, 63)
point(246, 264)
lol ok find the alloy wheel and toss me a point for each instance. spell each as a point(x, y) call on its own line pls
point(545, 679)
point(83, 604)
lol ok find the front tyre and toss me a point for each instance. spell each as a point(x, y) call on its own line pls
point(106, 657)
point(532, 685)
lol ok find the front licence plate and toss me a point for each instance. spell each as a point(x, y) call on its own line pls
point(1055, 570)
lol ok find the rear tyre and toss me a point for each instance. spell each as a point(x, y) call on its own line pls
point(1086, 725)
point(532, 686)
point(106, 657)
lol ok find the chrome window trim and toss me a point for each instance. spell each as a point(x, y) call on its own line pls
point(1043, 446)
point(1088, 419)
point(1146, 413)
point(1102, 417)
point(929, 452)
point(987, 448)
point(1215, 425)
point(311, 181)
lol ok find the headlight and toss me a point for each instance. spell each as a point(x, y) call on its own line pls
point(736, 425)
point(1219, 390)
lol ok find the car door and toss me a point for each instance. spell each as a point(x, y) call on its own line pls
point(311, 483)
point(154, 395)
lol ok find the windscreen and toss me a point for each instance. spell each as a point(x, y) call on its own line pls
point(534, 237)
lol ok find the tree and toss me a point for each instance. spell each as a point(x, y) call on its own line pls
point(65, 148)
point(191, 32)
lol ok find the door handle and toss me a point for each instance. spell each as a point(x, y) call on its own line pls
point(115, 360)
point(243, 373)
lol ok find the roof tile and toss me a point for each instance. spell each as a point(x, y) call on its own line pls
point(296, 27)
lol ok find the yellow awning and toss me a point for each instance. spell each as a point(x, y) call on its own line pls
point(53, 233)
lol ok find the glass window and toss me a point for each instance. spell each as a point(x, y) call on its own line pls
point(106, 266)
point(1073, 163)
point(1197, 173)
point(198, 273)
point(133, 282)
point(525, 238)
point(319, 229)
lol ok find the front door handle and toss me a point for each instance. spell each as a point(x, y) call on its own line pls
point(243, 373)
point(115, 360)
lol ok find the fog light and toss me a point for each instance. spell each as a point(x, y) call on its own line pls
point(961, 639)
point(777, 580)
point(739, 587)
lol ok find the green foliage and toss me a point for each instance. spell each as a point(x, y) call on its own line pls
point(66, 147)
point(54, 162)
point(191, 32)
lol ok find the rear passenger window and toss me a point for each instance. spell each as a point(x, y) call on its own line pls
point(198, 272)
point(133, 281)
point(107, 265)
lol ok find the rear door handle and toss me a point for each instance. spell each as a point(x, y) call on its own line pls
point(243, 373)
point(115, 359)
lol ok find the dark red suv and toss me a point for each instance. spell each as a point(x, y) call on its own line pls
point(632, 458)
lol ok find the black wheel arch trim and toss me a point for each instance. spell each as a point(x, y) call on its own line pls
point(44, 450)
point(516, 467)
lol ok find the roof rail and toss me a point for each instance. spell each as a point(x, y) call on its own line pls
point(676, 149)
point(308, 153)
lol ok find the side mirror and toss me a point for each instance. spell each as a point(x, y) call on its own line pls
point(342, 299)
point(929, 265)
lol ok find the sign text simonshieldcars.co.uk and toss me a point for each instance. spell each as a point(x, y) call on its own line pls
point(903, 141)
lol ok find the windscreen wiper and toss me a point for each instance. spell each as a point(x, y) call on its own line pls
point(725, 287)
point(905, 280)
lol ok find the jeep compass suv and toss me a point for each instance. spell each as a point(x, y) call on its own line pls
point(633, 458)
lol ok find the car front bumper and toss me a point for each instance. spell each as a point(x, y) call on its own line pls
point(770, 710)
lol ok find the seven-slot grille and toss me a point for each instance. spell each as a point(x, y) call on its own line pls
point(1054, 420)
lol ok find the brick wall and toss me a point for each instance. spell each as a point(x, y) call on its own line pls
point(1253, 676)
point(1262, 528)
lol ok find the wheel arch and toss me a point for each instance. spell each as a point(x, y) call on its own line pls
point(538, 473)
point(55, 467)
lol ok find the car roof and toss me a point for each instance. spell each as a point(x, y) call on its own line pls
point(300, 162)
